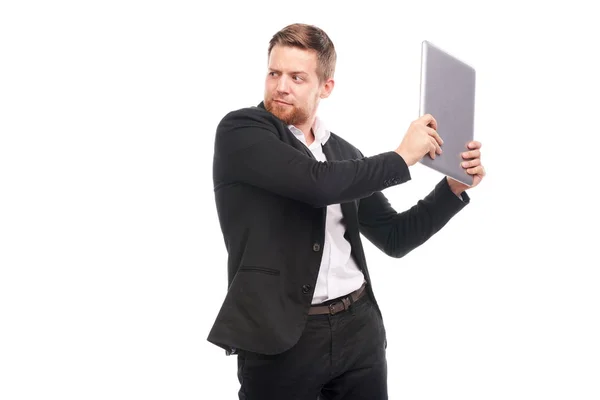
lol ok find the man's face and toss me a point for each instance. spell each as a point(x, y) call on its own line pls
point(292, 87)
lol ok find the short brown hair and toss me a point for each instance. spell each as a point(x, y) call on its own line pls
point(309, 37)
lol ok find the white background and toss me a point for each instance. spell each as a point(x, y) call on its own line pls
point(113, 267)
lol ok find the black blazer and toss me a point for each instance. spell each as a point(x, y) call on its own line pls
point(271, 197)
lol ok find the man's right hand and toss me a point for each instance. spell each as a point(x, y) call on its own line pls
point(420, 138)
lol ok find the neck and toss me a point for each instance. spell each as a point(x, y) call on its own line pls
point(306, 128)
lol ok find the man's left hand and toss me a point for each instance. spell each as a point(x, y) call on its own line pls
point(472, 164)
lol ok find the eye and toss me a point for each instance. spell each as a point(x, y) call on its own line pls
point(297, 78)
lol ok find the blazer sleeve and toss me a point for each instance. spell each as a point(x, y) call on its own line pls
point(248, 150)
point(397, 234)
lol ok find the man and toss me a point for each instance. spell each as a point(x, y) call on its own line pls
point(292, 200)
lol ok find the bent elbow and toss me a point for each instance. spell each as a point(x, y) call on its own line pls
point(397, 253)
point(396, 247)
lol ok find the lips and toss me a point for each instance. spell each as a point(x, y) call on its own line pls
point(282, 102)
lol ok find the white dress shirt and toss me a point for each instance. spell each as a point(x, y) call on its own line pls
point(338, 274)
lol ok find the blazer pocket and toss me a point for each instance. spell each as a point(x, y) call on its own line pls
point(262, 270)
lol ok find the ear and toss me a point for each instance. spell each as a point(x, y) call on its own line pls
point(327, 88)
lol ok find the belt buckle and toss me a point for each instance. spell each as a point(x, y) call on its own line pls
point(331, 310)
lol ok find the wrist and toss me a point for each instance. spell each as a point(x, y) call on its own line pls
point(456, 187)
point(457, 192)
point(405, 157)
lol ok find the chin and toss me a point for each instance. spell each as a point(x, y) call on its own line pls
point(286, 113)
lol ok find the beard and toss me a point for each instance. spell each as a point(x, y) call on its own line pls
point(289, 114)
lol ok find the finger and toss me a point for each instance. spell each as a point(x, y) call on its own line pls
point(474, 145)
point(438, 149)
point(478, 170)
point(471, 164)
point(472, 154)
point(432, 149)
point(433, 133)
point(428, 120)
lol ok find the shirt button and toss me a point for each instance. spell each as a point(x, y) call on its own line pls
point(305, 288)
point(316, 247)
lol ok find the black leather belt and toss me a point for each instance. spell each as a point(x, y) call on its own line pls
point(339, 305)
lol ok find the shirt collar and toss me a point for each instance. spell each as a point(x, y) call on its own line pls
point(320, 131)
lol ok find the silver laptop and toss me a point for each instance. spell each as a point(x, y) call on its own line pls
point(448, 94)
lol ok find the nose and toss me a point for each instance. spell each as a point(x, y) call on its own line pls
point(283, 85)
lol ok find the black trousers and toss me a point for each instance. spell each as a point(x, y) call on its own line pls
point(339, 356)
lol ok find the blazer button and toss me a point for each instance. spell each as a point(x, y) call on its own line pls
point(305, 288)
point(316, 247)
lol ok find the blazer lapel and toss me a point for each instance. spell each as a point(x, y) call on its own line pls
point(333, 152)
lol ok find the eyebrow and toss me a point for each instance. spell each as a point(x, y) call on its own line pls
point(293, 72)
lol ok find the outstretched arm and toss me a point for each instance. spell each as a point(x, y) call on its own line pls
point(397, 234)
point(249, 151)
